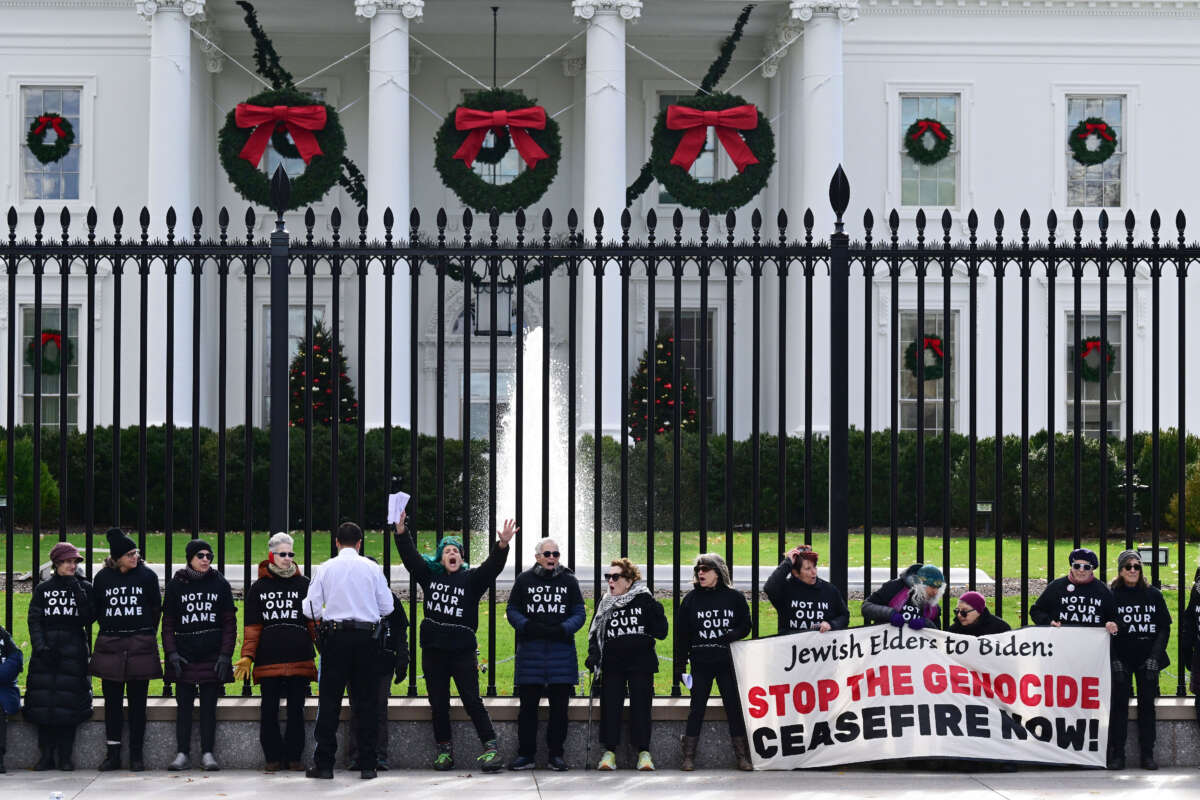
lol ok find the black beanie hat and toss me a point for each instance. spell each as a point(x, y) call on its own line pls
point(1084, 554)
point(195, 546)
point(118, 543)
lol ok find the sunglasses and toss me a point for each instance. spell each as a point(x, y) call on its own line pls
point(1133, 567)
point(614, 576)
point(962, 612)
point(284, 555)
point(204, 554)
point(1083, 565)
point(703, 568)
point(550, 554)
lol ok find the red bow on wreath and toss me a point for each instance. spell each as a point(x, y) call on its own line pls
point(1089, 346)
point(928, 125)
point(52, 338)
point(480, 122)
point(52, 120)
point(300, 122)
point(936, 344)
point(695, 124)
point(1098, 128)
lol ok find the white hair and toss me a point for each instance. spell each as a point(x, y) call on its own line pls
point(279, 538)
point(537, 548)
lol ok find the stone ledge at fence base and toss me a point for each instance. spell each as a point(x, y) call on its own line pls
point(411, 737)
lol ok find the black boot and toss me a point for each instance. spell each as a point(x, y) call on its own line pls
point(112, 759)
point(46, 761)
point(136, 762)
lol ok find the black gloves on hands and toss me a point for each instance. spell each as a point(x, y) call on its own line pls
point(176, 661)
point(224, 669)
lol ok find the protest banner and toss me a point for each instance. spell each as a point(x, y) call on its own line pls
point(869, 694)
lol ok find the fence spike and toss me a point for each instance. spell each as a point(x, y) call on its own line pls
point(281, 191)
point(894, 222)
point(998, 222)
point(547, 220)
point(1077, 222)
point(64, 221)
point(414, 222)
point(781, 222)
point(197, 222)
point(730, 223)
point(310, 221)
point(756, 220)
point(118, 220)
point(677, 222)
point(1180, 223)
point(520, 220)
point(389, 221)
point(946, 222)
point(223, 220)
point(972, 222)
point(572, 220)
point(809, 222)
point(868, 221)
point(493, 221)
point(1155, 222)
point(920, 222)
point(12, 223)
point(362, 225)
point(1051, 223)
point(1025, 221)
point(598, 222)
point(705, 219)
point(92, 217)
point(626, 222)
point(1129, 222)
point(1103, 222)
point(441, 220)
point(839, 192)
point(651, 221)
point(250, 223)
point(172, 219)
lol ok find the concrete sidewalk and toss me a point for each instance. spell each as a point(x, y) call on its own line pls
point(1167, 784)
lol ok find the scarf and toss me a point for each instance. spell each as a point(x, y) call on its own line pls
point(280, 572)
point(542, 572)
point(610, 603)
point(193, 575)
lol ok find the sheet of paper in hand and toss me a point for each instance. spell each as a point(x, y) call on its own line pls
point(397, 502)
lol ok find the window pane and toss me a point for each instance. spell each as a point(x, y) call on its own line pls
point(929, 184)
point(934, 388)
point(51, 386)
point(45, 181)
point(1096, 185)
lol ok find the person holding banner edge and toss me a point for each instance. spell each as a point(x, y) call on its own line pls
point(803, 601)
point(911, 599)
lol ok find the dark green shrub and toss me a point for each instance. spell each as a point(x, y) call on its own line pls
point(21, 504)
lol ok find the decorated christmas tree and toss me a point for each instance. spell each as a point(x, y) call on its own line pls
point(326, 364)
point(640, 420)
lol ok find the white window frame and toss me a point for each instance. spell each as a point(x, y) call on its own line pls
point(86, 138)
point(1130, 175)
point(965, 191)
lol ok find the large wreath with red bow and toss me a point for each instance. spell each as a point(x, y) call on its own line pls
point(928, 344)
point(914, 141)
point(742, 131)
point(36, 138)
point(1105, 138)
point(518, 122)
point(57, 351)
point(315, 130)
point(1086, 370)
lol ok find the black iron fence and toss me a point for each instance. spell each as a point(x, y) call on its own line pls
point(784, 488)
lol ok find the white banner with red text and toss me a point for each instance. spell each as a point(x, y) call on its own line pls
point(868, 694)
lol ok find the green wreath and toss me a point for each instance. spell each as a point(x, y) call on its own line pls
point(35, 138)
point(476, 193)
point(932, 371)
point(1086, 129)
point(51, 336)
point(1087, 371)
point(718, 196)
point(254, 184)
point(914, 141)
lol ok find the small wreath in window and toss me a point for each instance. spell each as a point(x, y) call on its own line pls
point(515, 120)
point(57, 351)
point(36, 138)
point(925, 130)
point(928, 344)
point(320, 141)
point(1089, 359)
point(1092, 141)
point(679, 135)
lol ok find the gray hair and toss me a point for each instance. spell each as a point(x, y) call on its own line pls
point(280, 538)
point(537, 548)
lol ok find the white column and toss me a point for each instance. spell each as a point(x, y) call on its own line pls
point(388, 186)
point(169, 185)
point(604, 182)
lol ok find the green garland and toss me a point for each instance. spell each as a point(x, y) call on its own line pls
point(48, 154)
point(932, 371)
point(51, 366)
point(914, 141)
point(253, 184)
point(354, 183)
point(718, 196)
point(1080, 134)
point(1087, 371)
point(476, 193)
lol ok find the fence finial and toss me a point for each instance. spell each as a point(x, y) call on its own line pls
point(281, 195)
point(839, 195)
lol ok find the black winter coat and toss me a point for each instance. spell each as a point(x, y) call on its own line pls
point(59, 689)
point(200, 623)
point(708, 621)
point(128, 605)
point(987, 624)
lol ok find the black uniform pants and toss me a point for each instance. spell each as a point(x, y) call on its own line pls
point(443, 666)
point(380, 692)
point(703, 676)
point(1118, 718)
point(348, 658)
point(185, 696)
point(612, 701)
point(114, 692)
point(290, 746)
point(527, 718)
point(3, 736)
point(60, 738)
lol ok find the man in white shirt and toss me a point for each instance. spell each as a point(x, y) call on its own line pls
point(347, 598)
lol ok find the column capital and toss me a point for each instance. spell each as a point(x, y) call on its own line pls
point(411, 9)
point(804, 10)
point(190, 8)
point(214, 62)
point(779, 40)
point(628, 10)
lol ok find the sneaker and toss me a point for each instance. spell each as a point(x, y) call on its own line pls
point(489, 759)
point(521, 762)
point(644, 762)
point(208, 763)
point(608, 761)
point(558, 764)
point(445, 758)
point(381, 764)
point(180, 763)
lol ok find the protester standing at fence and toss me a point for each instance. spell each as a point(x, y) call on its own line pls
point(348, 597)
point(1189, 633)
point(452, 589)
point(621, 645)
point(58, 692)
point(393, 661)
point(199, 633)
point(912, 599)
point(1076, 599)
point(711, 617)
point(277, 650)
point(12, 661)
point(972, 618)
point(1139, 652)
point(546, 608)
point(125, 658)
point(803, 601)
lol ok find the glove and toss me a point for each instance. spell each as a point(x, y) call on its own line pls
point(1151, 665)
point(591, 662)
point(897, 619)
point(401, 673)
point(224, 669)
point(916, 623)
point(241, 670)
point(177, 661)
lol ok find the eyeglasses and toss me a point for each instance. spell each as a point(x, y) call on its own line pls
point(1133, 567)
point(204, 554)
point(1082, 565)
point(282, 555)
point(703, 568)
point(550, 554)
point(614, 576)
point(963, 612)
